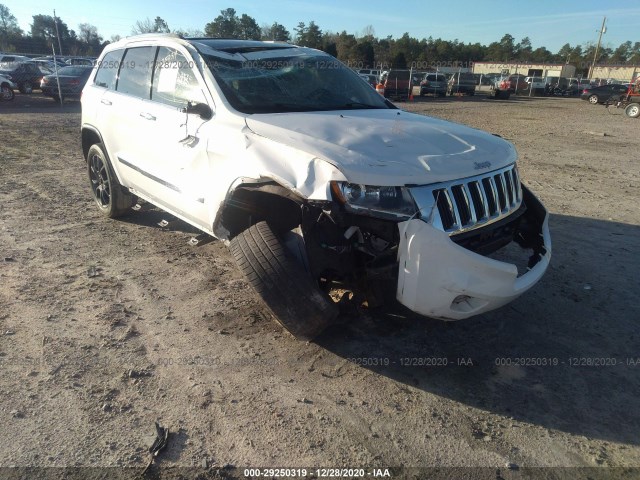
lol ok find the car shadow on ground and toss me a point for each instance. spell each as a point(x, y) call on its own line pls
point(563, 356)
point(148, 215)
point(558, 357)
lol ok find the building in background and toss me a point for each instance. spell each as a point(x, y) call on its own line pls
point(526, 69)
point(621, 73)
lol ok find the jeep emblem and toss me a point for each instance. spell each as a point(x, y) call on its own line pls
point(481, 165)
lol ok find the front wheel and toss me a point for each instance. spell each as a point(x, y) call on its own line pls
point(288, 291)
point(109, 195)
point(26, 88)
point(6, 93)
point(593, 99)
point(632, 110)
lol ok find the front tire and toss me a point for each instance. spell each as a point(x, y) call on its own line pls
point(6, 93)
point(291, 295)
point(109, 195)
point(26, 88)
point(632, 110)
point(593, 99)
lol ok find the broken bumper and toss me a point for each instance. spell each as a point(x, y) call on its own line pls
point(440, 279)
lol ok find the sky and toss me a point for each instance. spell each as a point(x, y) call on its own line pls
point(547, 23)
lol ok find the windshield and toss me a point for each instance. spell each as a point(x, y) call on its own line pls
point(300, 83)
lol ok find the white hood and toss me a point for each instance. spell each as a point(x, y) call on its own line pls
point(387, 147)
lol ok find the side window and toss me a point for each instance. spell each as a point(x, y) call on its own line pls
point(135, 72)
point(174, 82)
point(108, 70)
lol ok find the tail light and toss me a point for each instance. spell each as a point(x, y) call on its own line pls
point(74, 82)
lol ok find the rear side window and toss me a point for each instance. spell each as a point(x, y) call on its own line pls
point(108, 70)
point(135, 72)
point(174, 81)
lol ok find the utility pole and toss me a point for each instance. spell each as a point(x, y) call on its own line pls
point(603, 29)
point(55, 20)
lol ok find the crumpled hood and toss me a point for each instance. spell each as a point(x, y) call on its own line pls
point(387, 147)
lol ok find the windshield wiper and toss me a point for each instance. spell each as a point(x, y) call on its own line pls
point(358, 105)
point(279, 108)
point(296, 107)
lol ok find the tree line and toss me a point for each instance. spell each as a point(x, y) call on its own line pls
point(361, 50)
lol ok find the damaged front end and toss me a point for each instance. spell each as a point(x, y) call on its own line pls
point(438, 248)
point(451, 278)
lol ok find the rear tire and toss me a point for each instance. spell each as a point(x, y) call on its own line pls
point(593, 99)
point(632, 110)
point(112, 200)
point(291, 295)
point(26, 88)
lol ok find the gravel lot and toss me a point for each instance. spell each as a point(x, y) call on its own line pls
point(109, 326)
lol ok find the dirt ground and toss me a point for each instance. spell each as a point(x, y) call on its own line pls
point(109, 326)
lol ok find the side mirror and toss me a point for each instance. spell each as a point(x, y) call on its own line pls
point(201, 109)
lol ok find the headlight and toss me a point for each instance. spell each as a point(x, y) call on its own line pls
point(371, 199)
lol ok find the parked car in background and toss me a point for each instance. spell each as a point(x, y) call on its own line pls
point(48, 67)
point(49, 58)
point(435, 83)
point(397, 84)
point(81, 61)
point(577, 85)
point(536, 84)
point(514, 83)
point(26, 75)
point(11, 58)
point(369, 78)
point(601, 94)
point(553, 81)
point(462, 83)
point(368, 71)
point(70, 79)
point(6, 89)
point(489, 79)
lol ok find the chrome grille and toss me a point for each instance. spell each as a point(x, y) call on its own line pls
point(463, 205)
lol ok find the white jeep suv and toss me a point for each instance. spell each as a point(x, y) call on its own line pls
point(311, 177)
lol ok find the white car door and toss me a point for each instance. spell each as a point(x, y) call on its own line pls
point(121, 113)
point(176, 154)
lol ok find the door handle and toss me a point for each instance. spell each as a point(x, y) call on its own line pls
point(147, 116)
point(105, 101)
